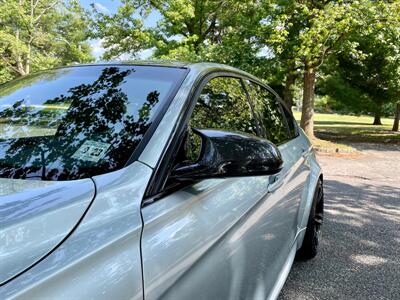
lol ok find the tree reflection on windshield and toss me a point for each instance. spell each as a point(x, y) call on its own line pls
point(97, 117)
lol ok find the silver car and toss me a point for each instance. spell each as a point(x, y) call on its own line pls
point(152, 181)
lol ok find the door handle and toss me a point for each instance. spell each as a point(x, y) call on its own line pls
point(275, 182)
point(305, 152)
point(273, 179)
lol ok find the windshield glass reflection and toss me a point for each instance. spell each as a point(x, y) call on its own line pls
point(78, 122)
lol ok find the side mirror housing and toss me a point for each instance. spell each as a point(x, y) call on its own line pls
point(230, 154)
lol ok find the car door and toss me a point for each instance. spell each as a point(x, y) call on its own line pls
point(276, 121)
point(226, 238)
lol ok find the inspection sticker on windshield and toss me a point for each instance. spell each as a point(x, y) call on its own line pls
point(91, 151)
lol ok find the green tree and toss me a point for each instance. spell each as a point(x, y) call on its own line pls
point(38, 34)
point(299, 36)
point(188, 29)
point(371, 71)
point(374, 76)
point(304, 34)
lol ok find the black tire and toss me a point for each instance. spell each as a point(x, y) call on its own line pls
point(312, 237)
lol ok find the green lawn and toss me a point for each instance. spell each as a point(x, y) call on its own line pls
point(19, 131)
point(345, 128)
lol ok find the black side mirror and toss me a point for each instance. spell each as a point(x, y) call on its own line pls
point(230, 154)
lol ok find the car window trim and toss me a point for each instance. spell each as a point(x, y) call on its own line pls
point(296, 128)
point(253, 113)
point(281, 107)
point(281, 102)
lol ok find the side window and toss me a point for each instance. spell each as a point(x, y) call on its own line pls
point(222, 105)
point(291, 123)
point(269, 113)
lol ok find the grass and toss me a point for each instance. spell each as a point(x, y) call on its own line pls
point(333, 130)
point(19, 131)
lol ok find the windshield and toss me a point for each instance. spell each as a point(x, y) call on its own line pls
point(79, 122)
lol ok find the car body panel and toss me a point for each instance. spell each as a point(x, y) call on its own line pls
point(101, 258)
point(310, 186)
point(244, 225)
point(35, 216)
point(166, 277)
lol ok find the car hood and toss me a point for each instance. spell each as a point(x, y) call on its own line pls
point(35, 217)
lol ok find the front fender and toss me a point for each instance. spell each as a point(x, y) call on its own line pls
point(101, 258)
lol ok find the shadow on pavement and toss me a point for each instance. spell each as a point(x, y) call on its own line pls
point(360, 251)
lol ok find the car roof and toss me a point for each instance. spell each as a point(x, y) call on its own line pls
point(196, 67)
point(159, 63)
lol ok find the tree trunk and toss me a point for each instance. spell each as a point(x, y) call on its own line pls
point(20, 67)
point(396, 118)
point(377, 118)
point(288, 90)
point(307, 113)
point(31, 36)
point(28, 60)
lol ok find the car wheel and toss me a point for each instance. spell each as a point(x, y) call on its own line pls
point(312, 237)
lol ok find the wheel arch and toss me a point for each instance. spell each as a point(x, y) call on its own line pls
point(314, 177)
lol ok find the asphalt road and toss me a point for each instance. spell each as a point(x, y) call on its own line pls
point(360, 252)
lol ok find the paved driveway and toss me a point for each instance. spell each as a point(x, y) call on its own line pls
point(360, 252)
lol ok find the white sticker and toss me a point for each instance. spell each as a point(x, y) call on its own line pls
point(91, 151)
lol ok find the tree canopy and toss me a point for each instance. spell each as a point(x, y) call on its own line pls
point(293, 45)
point(38, 34)
point(370, 70)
